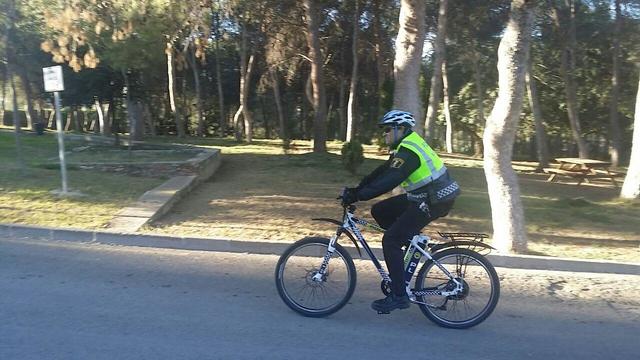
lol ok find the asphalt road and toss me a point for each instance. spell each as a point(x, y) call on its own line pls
point(62, 300)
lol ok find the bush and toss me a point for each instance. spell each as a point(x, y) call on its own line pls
point(352, 156)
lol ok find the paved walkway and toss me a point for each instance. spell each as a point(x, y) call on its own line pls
point(266, 247)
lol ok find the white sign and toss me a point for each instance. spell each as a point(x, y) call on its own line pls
point(53, 78)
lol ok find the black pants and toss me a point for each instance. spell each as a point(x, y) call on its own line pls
point(402, 219)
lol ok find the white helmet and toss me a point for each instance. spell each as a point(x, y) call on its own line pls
point(397, 118)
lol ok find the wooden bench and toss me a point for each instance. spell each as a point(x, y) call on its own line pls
point(580, 174)
point(608, 174)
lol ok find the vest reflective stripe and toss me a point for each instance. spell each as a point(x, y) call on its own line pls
point(431, 166)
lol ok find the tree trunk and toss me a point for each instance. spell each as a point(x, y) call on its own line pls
point(221, 114)
point(16, 121)
point(317, 77)
point(3, 94)
point(71, 119)
point(99, 128)
point(478, 146)
point(631, 186)
point(171, 75)
point(246, 113)
point(32, 116)
point(237, 128)
point(614, 124)
point(380, 69)
point(341, 108)
point(509, 232)
point(406, 65)
point(436, 78)
point(354, 76)
point(246, 69)
point(276, 96)
point(541, 137)
point(196, 80)
point(567, 68)
point(447, 113)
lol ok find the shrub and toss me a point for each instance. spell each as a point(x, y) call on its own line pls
point(352, 156)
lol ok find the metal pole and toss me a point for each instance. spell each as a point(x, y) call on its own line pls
point(59, 127)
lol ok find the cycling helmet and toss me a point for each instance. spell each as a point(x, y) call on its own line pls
point(397, 118)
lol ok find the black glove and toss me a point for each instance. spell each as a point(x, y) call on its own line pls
point(349, 196)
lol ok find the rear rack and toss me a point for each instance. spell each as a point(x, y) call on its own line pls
point(468, 240)
point(463, 236)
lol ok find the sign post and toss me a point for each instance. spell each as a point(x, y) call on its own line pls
point(53, 82)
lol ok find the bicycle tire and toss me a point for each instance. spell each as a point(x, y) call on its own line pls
point(299, 302)
point(482, 265)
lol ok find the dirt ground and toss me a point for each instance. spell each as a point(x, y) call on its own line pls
point(270, 196)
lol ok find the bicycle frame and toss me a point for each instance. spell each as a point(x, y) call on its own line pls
point(349, 226)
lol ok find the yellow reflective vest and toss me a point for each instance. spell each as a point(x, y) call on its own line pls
point(431, 166)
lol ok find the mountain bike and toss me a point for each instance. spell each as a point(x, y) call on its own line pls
point(456, 287)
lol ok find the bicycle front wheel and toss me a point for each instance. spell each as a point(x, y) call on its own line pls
point(302, 288)
point(468, 307)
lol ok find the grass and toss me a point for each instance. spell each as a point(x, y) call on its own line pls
point(26, 198)
point(261, 192)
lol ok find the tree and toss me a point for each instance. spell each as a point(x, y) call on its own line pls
point(541, 139)
point(317, 77)
point(411, 34)
point(447, 112)
point(565, 20)
point(631, 186)
point(436, 79)
point(509, 232)
point(246, 70)
point(615, 136)
point(354, 75)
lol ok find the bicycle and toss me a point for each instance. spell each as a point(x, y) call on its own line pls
point(454, 278)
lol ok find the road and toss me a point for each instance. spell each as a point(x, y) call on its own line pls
point(63, 300)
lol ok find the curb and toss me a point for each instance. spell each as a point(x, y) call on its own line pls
point(275, 248)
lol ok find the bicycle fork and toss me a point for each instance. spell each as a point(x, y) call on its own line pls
point(331, 248)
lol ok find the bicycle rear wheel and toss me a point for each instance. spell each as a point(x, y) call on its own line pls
point(300, 288)
point(479, 297)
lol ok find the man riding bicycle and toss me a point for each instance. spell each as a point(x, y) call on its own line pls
point(430, 194)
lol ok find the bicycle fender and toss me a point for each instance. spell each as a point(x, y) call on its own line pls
point(341, 230)
point(333, 221)
point(460, 243)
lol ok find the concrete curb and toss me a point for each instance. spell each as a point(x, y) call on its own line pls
point(276, 248)
point(159, 201)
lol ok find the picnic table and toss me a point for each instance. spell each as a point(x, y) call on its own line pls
point(583, 170)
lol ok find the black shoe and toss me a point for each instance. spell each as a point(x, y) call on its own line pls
point(391, 302)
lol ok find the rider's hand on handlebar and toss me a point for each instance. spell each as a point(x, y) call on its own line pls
point(349, 196)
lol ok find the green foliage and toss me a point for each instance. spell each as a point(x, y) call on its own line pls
point(352, 156)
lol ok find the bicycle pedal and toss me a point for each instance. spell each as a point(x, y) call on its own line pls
point(383, 312)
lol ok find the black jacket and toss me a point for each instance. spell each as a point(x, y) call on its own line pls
point(390, 174)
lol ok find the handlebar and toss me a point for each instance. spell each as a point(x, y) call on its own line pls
point(347, 207)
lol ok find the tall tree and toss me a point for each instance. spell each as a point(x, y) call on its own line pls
point(439, 55)
point(565, 20)
point(317, 78)
point(509, 232)
point(542, 150)
point(222, 120)
point(631, 186)
point(351, 106)
point(409, 42)
point(615, 134)
point(247, 59)
point(445, 109)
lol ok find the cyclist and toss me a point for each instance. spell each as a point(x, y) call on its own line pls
point(429, 194)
